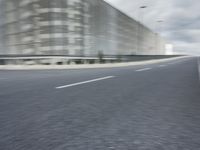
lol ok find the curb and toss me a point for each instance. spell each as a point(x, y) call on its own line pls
point(85, 66)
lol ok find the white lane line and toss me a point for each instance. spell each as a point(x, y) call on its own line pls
point(145, 69)
point(84, 82)
point(162, 65)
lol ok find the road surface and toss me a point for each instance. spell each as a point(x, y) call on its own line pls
point(147, 107)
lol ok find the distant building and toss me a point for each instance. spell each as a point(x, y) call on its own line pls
point(72, 27)
point(169, 49)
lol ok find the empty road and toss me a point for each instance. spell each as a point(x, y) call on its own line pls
point(146, 107)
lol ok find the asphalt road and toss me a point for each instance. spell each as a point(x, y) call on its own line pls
point(148, 107)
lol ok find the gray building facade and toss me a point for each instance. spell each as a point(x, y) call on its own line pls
point(73, 27)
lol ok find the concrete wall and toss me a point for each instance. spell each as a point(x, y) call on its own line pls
point(73, 27)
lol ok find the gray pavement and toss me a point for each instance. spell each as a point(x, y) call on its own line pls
point(145, 107)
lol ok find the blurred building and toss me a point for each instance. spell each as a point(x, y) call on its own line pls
point(169, 48)
point(72, 27)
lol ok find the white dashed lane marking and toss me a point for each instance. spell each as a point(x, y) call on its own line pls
point(84, 82)
point(144, 69)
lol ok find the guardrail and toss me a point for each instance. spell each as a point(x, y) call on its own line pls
point(48, 60)
point(66, 59)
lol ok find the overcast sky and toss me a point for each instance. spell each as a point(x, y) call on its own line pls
point(181, 25)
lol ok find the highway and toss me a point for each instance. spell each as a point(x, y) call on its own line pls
point(146, 107)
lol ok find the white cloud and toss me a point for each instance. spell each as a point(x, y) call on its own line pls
point(181, 18)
